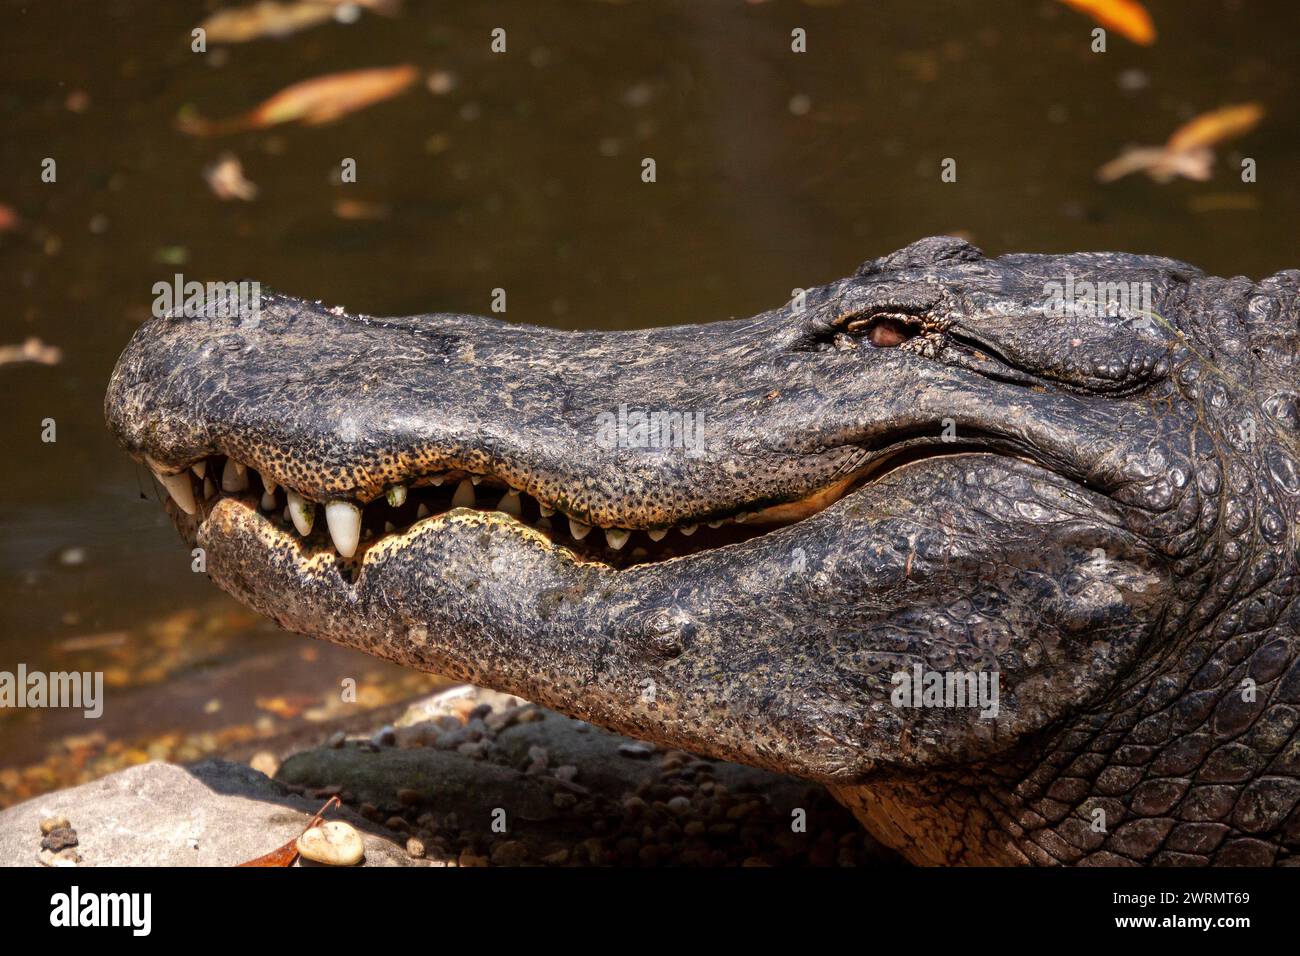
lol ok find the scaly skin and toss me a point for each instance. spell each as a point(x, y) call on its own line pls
point(1112, 532)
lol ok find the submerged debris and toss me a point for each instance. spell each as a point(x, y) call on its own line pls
point(227, 181)
point(320, 100)
point(1189, 151)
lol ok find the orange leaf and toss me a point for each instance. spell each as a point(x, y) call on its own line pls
point(286, 854)
point(1127, 17)
point(1216, 126)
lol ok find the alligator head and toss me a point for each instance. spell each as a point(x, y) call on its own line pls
point(1003, 551)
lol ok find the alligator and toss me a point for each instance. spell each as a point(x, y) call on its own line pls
point(1001, 551)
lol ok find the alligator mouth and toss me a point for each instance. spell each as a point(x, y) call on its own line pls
point(350, 528)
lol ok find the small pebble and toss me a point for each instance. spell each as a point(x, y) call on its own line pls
point(67, 857)
point(59, 838)
point(680, 805)
point(337, 740)
point(385, 736)
point(415, 847)
point(409, 797)
point(510, 853)
point(334, 843)
point(54, 823)
point(265, 762)
point(636, 750)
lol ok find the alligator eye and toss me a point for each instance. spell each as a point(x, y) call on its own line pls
point(887, 332)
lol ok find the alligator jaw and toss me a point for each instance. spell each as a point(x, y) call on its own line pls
point(679, 650)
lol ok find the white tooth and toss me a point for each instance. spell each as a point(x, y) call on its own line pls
point(464, 496)
point(422, 511)
point(578, 529)
point(396, 495)
point(687, 529)
point(343, 518)
point(715, 524)
point(209, 489)
point(270, 485)
point(182, 492)
point(268, 502)
point(200, 468)
point(389, 527)
point(510, 504)
point(545, 509)
point(301, 511)
point(742, 517)
point(617, 537)
point(436, 480)
point(657, 534)
point(367, 535)
point(234, 477)
point(476, 478)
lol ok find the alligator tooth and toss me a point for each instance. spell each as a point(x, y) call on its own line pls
point(741, 517)
point(389, 527)
point(464, 496)
point(234, 477)
point(209, 489)
point(179, 487)
point(422, 511)
point(396, 495)
point(436, 480)
point(510, 503)
point(476, 478)
point(270, 485)
point(617, 537)
point(715, 524)
point(578, 529)
point(545, 510)
point(343, 518)
point(268, 502)
point(301, 512)
point(543, 524)
point(200, 468)
point(657, 534)
point(687, 529)
point(286, 514)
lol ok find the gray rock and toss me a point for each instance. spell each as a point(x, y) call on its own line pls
point(215, 813)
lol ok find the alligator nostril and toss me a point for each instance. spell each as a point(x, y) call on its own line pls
point(887, 332)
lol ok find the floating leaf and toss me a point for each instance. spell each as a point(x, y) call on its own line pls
point(314, 102)
point(32, 350)
point(226, 179)
point(1188, 152)
point(1126, 17)
point(265, 19)
point(1216, 126)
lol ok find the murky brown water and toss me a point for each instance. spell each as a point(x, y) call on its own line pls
point(775, 170)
